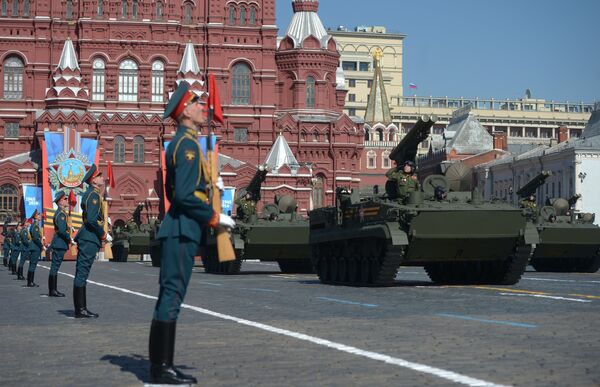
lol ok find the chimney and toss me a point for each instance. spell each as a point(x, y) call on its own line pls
point(500, 141)
point(563, 134)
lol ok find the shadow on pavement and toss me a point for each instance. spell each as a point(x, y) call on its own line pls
point(135, 364)
point(67, 312)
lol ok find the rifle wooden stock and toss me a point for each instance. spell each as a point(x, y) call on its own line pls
point(72, 247)
point(107, 246)
point(225, 249)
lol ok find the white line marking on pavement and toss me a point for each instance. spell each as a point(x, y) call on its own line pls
point(439, 372)
point(559, 280)
point(544, 296)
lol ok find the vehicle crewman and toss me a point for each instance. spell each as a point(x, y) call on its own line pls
point(246, 206)
point(405, 178)
point(530, 204)
point(60, 242)
point(181, 230)
point(15, 248)
point(35, 248)
point(25, 242)
point(89, 239)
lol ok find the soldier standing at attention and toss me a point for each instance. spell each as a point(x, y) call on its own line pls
point(405, 178)
point(35, 248)
point(5, 243)
point(181, 231)
point(89, 239)
point(60, 242)
point(16, 248)
point(25, 242)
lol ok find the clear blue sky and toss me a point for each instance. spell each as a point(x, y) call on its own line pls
point(484, 48)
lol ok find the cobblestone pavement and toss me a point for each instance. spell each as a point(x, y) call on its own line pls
point(264, 328)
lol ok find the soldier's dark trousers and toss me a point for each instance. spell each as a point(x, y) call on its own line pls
point(86, 254)
point(177, 261)
point(5, 256)
point(24, 257)
point(33, 261)
point(57, 258)
point(13, 260)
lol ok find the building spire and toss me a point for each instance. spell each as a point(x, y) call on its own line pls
point(378, 108)
point(189, 62)
point(68, 58)
point(305, 23)
point(280, 155)
point(67, 90)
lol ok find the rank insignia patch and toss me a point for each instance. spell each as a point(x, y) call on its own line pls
point(190, 155)
point(94, 201)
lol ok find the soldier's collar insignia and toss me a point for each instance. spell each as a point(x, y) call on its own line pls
point(190, 155)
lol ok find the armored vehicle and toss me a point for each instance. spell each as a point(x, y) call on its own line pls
point(132, 238)
point(277, 234)
point(569, 241)
point(454, 235)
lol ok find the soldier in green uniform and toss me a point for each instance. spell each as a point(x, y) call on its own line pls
point(25, 242)
point(182, 229)
point(405, 178)
point(89, 239)
point(35, 248)
point(5, 244)
point(15, 248)
point(530, 204)
point(246, 206)
point(60, 242)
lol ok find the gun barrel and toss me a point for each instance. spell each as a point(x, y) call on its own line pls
point(530, 188)
point(406, 150)
point(259, 177)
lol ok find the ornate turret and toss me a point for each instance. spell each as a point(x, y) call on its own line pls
point(378, 108)
point(280, 155)
point(189, 70)
point(67, 91)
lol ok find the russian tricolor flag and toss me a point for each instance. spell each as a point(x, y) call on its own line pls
point(412, 86)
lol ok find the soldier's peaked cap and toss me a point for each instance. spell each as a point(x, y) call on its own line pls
point(91, 173)
point(34, 213)
point(59, 195)
point(179, 100)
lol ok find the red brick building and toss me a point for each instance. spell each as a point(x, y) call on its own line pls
point(105, 68)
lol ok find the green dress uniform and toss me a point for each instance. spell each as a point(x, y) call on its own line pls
point(406, 182)
point(35, 252)
point(5, 247)
point(89, 240)
point(15, 251)
point(25, 241)
point(59, 245)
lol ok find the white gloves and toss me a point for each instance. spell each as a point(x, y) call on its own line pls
point(220, 185)
point(109, 221)
point(226, 221)
point(73, 242)
point(108, 238)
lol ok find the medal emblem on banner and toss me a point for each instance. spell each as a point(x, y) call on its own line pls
point(67, 172)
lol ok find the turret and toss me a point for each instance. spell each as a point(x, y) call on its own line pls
point(406, 150)
point(532, 186)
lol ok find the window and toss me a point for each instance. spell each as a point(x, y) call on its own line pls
point(240, 135)
point(351, 112)
point(119, 149)
point(15, 7)
point(240, 89)
point(351, 97)
point(530, 132)
point(69, 12)
point(574, 133)
point(159, 10)
point(9, 202)
point(310, 92)
point(363, 66)
point(4, 7)
point(351, 82)
point(124, 9)
point(231, 15)
point(349, 66)
point(138, 149)
point(11, 130)
point(367, 135)
point(385, 159)
point(242, 15)
point(128, 81)
point(318, 191)
point(369, 83)
point(545, 133)
point(516, 132)
point(379, 134)
point(98, 78)
point(13, 78)
point(100, 9)
point(187, 13)
point(26, 8)
point(134, 9)
point(252, 16)
point(315, 137)
point(371, 162)
point(158, 81)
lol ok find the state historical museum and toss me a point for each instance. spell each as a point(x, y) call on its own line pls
point(103, 71)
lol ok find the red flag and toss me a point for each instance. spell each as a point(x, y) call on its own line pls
point(214, 103)
point(111, 176)
point(72, 200)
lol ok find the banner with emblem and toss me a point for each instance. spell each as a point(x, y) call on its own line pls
point(66, 157)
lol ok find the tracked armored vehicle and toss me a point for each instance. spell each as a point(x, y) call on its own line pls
point(569, 241)
point(458, 239)
point(132, 239)
point(278, 234)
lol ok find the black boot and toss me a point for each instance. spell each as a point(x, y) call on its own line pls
point(13, 268)
point(30, 283)
point(162, 347)
point(79, 299)
point(20, 274)
point(52, 291)
point(4, 262)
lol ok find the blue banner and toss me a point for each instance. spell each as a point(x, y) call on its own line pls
point(32, 197)
point(227, 198)
point(54, 145)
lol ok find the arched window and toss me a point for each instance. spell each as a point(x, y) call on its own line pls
point(242, 15)
point(252, 16)
point(367, 135)
point(134, 9)
point(98, 79)
point(138, 149)
point(379, 134)
point(123, 9)
point(385, 159)
point(9, 202)
point(100, 9)
point(232, 15)
point(13, 78)
point(69, 12)
point(159, 10)
point(310, 92)
point(240, 88)
point(318, 192)
point(187, 13)
point(4, 8)
point(158, 81)
point(119, 149)
point(128, 81)
point(26, 8)
point(371, 159)
point(15, 7)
